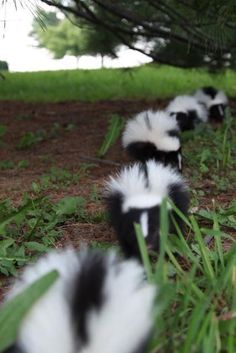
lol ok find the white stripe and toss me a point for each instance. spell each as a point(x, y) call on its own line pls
point(144, 223)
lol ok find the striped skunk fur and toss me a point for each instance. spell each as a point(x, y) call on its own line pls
point(214, 100)
point(135, 195)
point(153, 135)
point(98, 304)
point(187, 111)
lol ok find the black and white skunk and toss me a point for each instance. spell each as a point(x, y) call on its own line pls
point(153, 135)
point(214, 100)
point(98, 304)
point(187, 111)
point(135, 196)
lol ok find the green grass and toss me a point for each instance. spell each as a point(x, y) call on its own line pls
point(195, 308)
point(209, 155)
point(91, 85)
point(32, 228)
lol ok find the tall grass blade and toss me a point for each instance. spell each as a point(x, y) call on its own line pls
point(231, 342)
point(143, 250)
point(161, 266)
point(115, 126)
point(218, 240)
point(204, 250)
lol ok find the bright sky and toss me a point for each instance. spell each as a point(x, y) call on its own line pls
point(21, 53)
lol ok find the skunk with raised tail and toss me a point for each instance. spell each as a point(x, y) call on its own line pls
point(135, 195)
point(153, 135)
point(98, 304)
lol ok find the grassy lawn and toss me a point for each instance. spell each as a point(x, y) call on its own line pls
point(91, 85)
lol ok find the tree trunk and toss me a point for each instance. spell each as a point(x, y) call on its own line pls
point(77, 62)
point(102, 61)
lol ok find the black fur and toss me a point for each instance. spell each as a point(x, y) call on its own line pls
point(143, 167)
point(173, 133)
point(144, 151)
point(141, 151)
point(13, 349)
point(180, 198)
point(187, 121)
point(123, 223)
point(217, 112)
point(210, 91)
point(88, 291)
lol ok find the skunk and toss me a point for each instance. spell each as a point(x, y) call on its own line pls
point(98, 304)
point(153, 135)
point(214, 100)
point(187, 111)
point(135, 195)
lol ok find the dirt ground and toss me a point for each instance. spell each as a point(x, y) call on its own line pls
point(68, 150)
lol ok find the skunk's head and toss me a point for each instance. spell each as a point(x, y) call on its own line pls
point(217, 112)
point(135, 196)
point(98, 304)
point(217, 107)
point(187, 112)
point(214, 100)
point(209, 91)
point(153, 135)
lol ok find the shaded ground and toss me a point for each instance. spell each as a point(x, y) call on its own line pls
point(65, 149)
point(70, 147)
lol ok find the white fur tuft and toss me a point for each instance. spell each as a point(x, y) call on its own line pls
point(141, 192)
point(48, 327)
point(202, 97)
point(126, 317)
point(152, 126)
point(183, 104)
point(144, 223)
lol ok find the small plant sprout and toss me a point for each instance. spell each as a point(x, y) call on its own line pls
point(30, 139)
